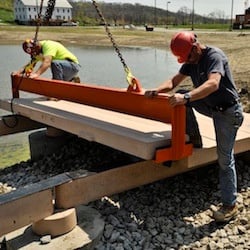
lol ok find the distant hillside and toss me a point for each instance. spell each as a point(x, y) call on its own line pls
point(6, 4)
point(120, 14)
point(6, 11)
point(137, 14)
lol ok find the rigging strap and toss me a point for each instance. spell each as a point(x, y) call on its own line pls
point(132, 81)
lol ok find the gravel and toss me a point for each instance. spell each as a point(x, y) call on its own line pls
point(174, 213)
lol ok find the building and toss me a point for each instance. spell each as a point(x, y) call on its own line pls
point(26, 12)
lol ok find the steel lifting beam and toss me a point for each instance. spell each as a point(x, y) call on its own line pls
point(120, 100)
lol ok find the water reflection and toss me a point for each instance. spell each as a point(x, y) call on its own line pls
point(99, 65)
point(102, 66)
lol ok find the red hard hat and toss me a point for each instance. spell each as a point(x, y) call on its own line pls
point(31, 47)
point(182, 44)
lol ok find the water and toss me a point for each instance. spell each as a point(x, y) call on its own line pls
point(99, 66)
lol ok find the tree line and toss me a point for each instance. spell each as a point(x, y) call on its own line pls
point(137, 14)
point(124, 14)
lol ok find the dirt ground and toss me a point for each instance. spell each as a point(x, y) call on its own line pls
point(235, 44)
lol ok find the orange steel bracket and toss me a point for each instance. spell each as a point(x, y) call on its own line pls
point(135, 86)
point(179, 149)
point(120, 100)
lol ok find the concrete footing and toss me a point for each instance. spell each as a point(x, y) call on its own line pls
point(85, 235)
point(59, 223)
point(46, 142)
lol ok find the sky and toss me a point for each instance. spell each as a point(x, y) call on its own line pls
point(202, 7)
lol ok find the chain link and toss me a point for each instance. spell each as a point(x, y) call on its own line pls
point(50, 9)
point(110, 35)
point(47, 16)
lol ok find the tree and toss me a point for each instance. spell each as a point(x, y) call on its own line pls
point(184, 15)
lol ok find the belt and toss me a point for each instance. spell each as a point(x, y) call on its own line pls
point(224, 106)
point(68, 59)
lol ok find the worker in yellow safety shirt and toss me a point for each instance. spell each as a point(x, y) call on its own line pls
point(63, 63)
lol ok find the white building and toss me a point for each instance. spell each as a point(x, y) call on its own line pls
point(26, 11)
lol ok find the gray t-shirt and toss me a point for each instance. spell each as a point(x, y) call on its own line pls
point(213, 61)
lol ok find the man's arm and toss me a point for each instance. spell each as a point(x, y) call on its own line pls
point(207, 88)
point(46, 63)
point(166, 86)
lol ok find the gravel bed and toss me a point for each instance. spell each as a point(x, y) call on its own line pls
point(174, 213)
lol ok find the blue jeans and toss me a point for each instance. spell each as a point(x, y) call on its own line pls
point(64, 70)
point(226, 125)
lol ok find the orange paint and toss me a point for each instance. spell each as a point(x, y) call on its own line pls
point(131, 101)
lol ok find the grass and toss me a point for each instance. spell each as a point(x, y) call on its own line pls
point(215, 26)
point(85, 30)
point(6, 16)
point(91, 29)
point(101, 29)
point(15, 150)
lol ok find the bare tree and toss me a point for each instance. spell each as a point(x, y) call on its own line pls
point(184, 14)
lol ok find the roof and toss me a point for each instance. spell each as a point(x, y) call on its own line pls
point(59, 3)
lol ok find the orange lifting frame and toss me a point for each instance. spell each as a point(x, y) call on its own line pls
point(120, 100)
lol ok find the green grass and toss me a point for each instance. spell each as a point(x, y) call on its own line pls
point(14, 149)
point(6, 16)
point(6, 4)
point(93, 29)
point(215, 26)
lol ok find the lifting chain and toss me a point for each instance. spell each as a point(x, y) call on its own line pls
point(109, 34)
point(47, 16)
point(134, 84)
point(50, 9)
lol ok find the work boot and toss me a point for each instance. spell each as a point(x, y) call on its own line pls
point(76, 79)
point(225, 213)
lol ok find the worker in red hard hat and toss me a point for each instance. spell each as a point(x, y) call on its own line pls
point(32, 47)
point(182, 44)
point(214, 94)
point(64, 64)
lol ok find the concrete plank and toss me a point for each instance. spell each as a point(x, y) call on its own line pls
point(134, 135)
point(130, 134)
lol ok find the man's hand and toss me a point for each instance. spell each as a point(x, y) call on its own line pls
point(177, 99)
point(151, 93)
point(16, 72)
point(33, 75)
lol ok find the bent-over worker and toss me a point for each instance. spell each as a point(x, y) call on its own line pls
point(64, 64)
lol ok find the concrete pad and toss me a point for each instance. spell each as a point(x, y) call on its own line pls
point(85, 235)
